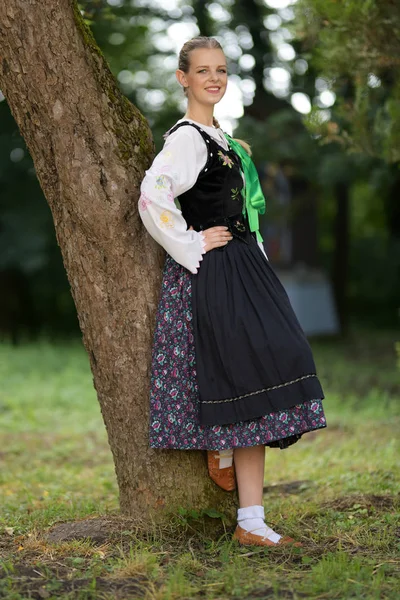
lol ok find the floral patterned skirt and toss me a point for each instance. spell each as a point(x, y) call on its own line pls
point(174, 396)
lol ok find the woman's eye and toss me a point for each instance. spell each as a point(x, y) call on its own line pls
point(205, 71)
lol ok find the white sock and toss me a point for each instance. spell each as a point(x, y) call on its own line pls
point(251, 519)
point(225, 457)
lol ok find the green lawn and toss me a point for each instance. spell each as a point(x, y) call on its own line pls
point(337, 490)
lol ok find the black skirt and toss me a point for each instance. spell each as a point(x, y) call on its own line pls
point(252, 356)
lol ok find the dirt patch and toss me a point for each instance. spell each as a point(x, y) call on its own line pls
point(368, 501)
point(39, 589)
point(6, 544)
point(97, 529)
point(264, 593)
point(29, 569)
point(291, 487)
point(23, 571)
point(121, 529)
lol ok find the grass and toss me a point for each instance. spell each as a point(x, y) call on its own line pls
point(337, 490)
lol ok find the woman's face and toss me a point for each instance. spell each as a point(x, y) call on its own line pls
point(207, 76)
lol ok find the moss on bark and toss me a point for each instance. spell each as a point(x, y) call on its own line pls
point(128, 138)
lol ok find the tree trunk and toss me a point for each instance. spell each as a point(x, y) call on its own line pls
point(90, 147)
point(341, 253)
point(304, 223)
point(252, 13)
point(392, 204)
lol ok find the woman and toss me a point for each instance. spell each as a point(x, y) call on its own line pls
point(232, 371)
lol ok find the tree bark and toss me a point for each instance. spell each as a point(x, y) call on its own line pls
point(90, 147)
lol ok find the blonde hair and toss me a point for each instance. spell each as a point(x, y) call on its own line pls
point(202, 41)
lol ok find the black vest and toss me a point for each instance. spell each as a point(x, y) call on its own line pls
point(216, 198)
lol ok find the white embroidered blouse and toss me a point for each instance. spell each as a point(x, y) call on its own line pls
point(174, 171)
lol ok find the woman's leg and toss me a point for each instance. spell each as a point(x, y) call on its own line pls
point(249, 467)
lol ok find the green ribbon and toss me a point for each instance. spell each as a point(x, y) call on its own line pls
point(254, 197)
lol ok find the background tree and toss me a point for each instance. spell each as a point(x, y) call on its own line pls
point(90, 147)
point(356, 48)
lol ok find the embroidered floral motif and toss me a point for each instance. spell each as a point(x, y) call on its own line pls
point(166, 219)
point(161, 171)
point(239, 226)
point(226, 161)
point(161, 182)
point(236, 195)
point(144, 201)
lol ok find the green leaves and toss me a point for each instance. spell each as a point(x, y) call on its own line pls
point(356, 45)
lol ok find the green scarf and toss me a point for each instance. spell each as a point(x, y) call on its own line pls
point(254, 197)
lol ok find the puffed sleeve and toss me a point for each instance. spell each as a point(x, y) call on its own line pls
point(174, 171)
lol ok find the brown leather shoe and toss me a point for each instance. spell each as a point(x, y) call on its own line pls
point(245, 538)
point(225, 478)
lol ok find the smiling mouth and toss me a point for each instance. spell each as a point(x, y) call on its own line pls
point(213, 89)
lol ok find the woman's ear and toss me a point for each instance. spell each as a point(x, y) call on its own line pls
point(181, 77)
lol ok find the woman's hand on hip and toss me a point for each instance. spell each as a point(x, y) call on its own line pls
point(215, 237)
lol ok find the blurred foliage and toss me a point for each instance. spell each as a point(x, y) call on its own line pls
point(336, 41)
point(356, 46)
point(35, 293)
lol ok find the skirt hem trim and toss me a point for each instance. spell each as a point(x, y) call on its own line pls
point(267, 389)
point(247, 444)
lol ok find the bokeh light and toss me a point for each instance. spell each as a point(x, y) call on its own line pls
point(286, 52)
point(279, 4)
point(301, 102)
point(327, 98)
point(247, 62)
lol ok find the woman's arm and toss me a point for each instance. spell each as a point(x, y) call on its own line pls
point(174, 171)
